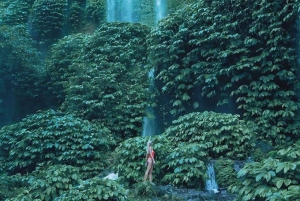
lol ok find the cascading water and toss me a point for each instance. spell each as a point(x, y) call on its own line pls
point(211, 184)
point(119, 10)
point(127, 11)
point(122, 11)
point(149, 124)
point(160, 9)
point(110, 13)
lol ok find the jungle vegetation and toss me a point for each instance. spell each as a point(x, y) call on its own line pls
point(74, 91)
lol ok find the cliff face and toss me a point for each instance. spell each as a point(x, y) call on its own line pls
point(30, 27)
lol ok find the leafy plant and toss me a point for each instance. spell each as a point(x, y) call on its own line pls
point(130, 157)
point(47, 18)
point(96, 11)
point(103, 77)
point(11, 186)
point(225, 172)
point(95, 189)
point(212, 51)
point(186, 165)
point(21, 75)
point(54, 138)
point(16, 12)
point(215, 133)
point(49, 182)
point(273, 179)
point(143, 192)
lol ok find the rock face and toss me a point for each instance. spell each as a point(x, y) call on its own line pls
point(193, 194)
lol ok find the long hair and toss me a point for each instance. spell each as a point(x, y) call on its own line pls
point(148, 146)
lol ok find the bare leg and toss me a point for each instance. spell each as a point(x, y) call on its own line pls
point(149, 166)
point(150, 173)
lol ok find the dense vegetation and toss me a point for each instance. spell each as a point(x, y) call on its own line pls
point(85, 87)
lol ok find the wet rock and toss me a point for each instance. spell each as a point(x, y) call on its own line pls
point(193, 194)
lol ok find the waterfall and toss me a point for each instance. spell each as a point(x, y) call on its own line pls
point(160, 9)
point(110, 13)
point(211, 183)
point(122, 11)
point(149, 123)
point(149, 127)
point(119, 10)
point(126, 11)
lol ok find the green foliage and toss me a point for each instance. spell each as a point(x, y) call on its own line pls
point(147, 12)
point(96, 11)
point(130, 158)
point(273, 179)
point(220, 49)
point(148, 192)
point(261, 151)
point(47, 18)
point(103, 76)
point(11, 186)
point(21, 74)
point(55, 138)
point(185, 165)
point(75, 14)
point(95, 189)
point(49, 182)
point(215, 133)
point(225, 172)
point(174, 5)
point(143, 192)
point(19, 61)
point(185, 147)
point(16, 12)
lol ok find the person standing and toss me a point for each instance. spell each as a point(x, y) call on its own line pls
point(150, 162)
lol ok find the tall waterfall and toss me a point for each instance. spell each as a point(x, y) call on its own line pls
point(160, 9)
point(119, 10)
point(126, 11)
point(211, 181)
point(123, 11)
point(149, 124)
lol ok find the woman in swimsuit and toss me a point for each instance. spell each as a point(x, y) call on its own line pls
point(150, 162)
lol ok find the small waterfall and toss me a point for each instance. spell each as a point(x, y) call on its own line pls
point(111, 9)
point(211, 183)
point(160, 9)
